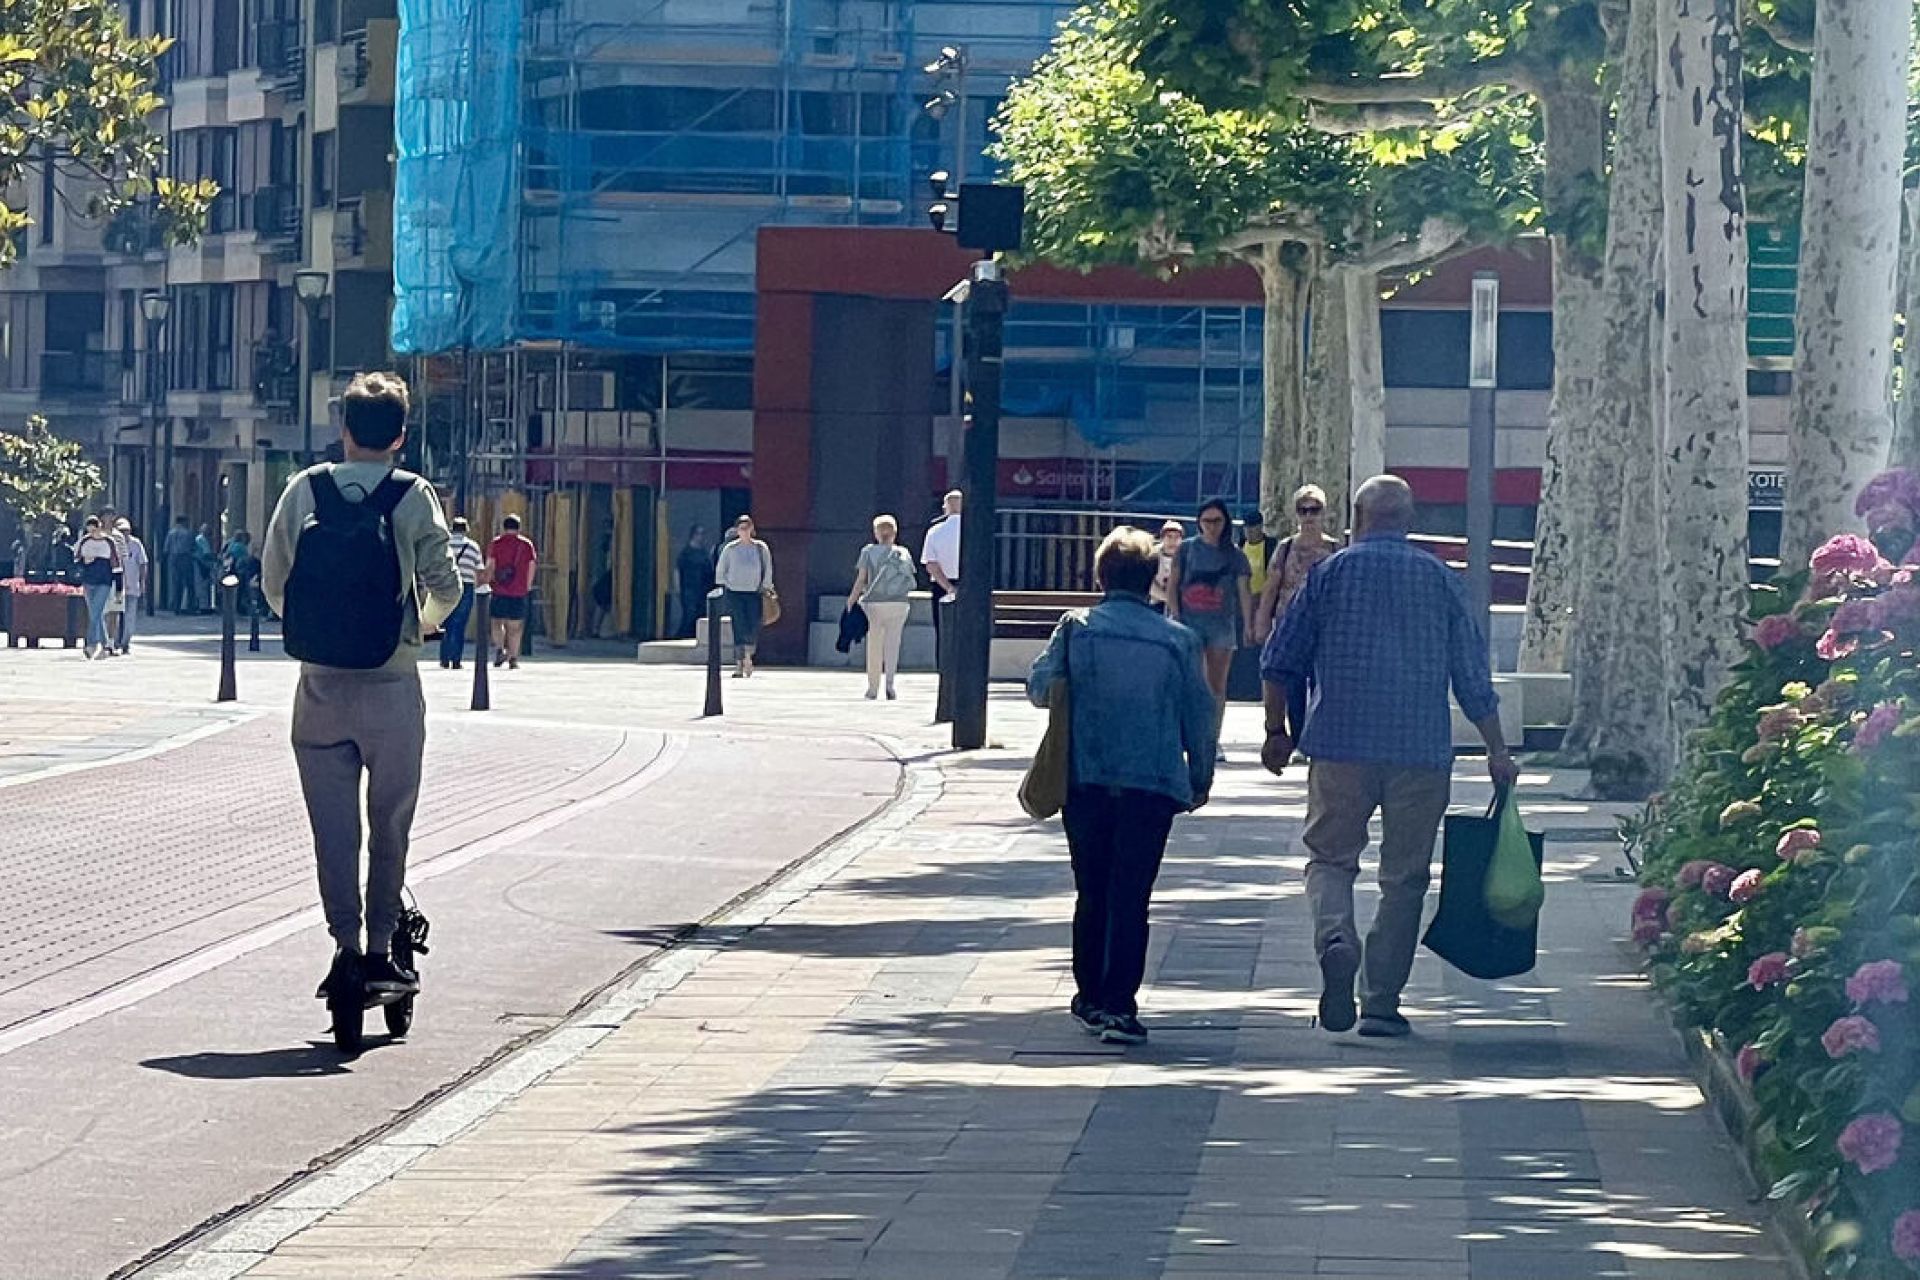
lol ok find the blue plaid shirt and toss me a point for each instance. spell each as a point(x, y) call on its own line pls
point(1380, 630)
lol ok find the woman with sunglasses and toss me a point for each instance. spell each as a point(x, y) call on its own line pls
point(1209, 593)
point(1294, 558)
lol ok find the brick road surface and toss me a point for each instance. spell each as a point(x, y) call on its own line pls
point(105, 861)
point(875, 1077)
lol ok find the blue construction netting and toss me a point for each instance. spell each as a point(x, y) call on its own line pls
point(456, 191)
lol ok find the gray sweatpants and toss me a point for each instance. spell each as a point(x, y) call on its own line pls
point(349, 726)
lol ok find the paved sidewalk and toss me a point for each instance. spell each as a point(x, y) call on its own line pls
point(874, 1076)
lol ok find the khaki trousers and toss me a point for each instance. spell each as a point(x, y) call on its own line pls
point(1341, 799)
point(352, 728)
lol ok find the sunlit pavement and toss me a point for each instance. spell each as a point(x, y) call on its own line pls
point(867, 1070)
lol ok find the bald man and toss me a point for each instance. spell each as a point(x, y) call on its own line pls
point(1378, 633)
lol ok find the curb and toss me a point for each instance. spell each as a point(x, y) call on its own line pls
point(237, 1245)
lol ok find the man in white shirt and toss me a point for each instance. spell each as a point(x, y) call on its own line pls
point(468, 556)
point(940, 553)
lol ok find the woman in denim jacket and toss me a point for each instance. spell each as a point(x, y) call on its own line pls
point(1143, 736)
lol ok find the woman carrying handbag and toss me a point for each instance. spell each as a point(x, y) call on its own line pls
point(1130, 745)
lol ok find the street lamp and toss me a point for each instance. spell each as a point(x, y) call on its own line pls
point(1483, 380)
point(949, 71)
point(310, 286)
point(155, 307)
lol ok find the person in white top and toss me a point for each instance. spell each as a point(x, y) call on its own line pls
point(468, 557)
point(940, 553)
point(745, 571)
point(133, 560)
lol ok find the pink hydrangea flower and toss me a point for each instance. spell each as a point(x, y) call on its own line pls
point(1774, 631)
point(1832, 646)
point(1779, 722)
point(1716, 880)
point(1748, 1062)
point(1745, 886)
point(1647, 932)
point(1900, 605)
point(1792, 844)
point(1894, 487)
point(1878, 982)
point(1849, 1035)
point(1770, 970)
point(1855, 616)
point(1845, 553)
point(1906, 1236)
point(1877, 727)
point(1651, 904)
point(1871, 1142)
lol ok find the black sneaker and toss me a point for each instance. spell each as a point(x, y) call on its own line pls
point(343, 972)
point(1339, 965)
point(1088, 1015)
point(383, 975)
point(1384, 1026)
point(1123, 1028)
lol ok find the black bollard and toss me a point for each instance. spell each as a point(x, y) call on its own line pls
point(229, 692)
point(942, 651)
point(482, 695)
point(713, 654)
point(253, 621)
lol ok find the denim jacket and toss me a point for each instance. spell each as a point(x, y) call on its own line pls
point(1143, 716)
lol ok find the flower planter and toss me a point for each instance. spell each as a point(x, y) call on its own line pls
point(33, 616)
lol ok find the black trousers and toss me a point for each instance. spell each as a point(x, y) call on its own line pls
point(1117, 837)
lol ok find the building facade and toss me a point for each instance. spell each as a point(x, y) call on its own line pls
point(194, 406)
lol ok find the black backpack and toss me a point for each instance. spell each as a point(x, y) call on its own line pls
point(343, 600)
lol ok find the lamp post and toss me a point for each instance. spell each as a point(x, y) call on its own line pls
point(154, 308)
point(949, 71)
point(1483, 379)
point(310, 286)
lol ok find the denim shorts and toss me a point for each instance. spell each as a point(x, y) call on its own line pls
point(1217, 631)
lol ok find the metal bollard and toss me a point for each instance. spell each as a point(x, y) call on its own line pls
point(482, 694)
point(942, 653)
point(253, 621)
point(229, 587)
point(714, 707)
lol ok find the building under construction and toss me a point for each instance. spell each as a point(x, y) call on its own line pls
point(579, 185)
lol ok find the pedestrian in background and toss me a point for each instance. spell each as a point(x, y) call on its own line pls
point(205, 562)
point(1209, 594)
point(1381, 631)
point(883, 583)
point(467, 559)
point(177, 551)
point(1257, 545)
point(693, 569)
point(1141, 750)
point(940, 553)
point(110, 523)
point(745, 571)
point(134, 575)
point(512, 562)
point(98, 560)
point(1294, 559)
point(1172, 534)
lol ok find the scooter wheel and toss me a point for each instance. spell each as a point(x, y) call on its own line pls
point(349, 1026)
point(399, 1016)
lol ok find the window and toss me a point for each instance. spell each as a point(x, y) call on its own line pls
point(129, 308)
point(323, 153)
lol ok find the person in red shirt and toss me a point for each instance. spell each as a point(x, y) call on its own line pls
point(511, 563)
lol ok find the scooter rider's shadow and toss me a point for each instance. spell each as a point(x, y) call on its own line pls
point(315, 1058)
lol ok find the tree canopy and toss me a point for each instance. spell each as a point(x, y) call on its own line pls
point(43, 477)
point(80, 97)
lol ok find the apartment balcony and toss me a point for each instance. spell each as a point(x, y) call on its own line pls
point(363, 232)
point(281, 53)
point(276, 381)
point(76, 374)
point(277, 219)
point(366, 66)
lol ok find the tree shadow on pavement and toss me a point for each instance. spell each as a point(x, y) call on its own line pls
point(936, 1130)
